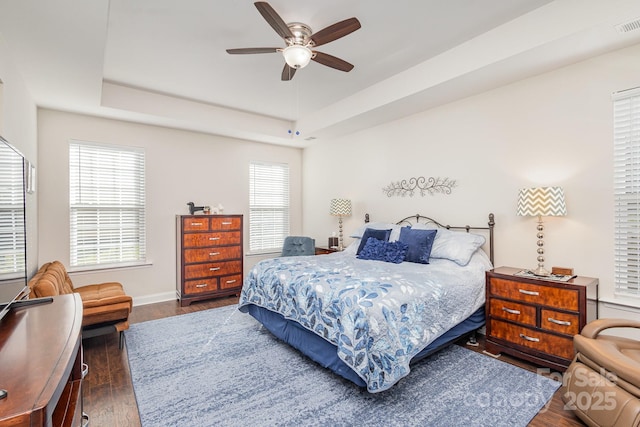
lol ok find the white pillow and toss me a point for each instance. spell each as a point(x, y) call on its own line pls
point(457, 246)
point(395, 230)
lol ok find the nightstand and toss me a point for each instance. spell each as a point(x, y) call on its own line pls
point(535, 319)
point(323, 250)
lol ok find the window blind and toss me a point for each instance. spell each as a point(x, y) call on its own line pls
point(268, 205)
point(12, 231)
point(107, 204)
point(626, 130)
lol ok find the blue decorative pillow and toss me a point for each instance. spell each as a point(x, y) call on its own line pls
point(379, 250)
point(419, 242)
point(370, 232)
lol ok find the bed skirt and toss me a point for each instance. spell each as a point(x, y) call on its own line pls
point(324, 353)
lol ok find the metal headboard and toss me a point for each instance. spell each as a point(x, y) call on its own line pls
point(421, 219)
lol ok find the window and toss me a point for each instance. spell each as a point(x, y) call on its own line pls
point(12, 235)
point(626, 130)
point(107, 205)
point(268, 206)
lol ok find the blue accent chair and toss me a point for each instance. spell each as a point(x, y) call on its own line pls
point(298, 245)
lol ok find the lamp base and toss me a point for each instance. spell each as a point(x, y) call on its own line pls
point(541, 271)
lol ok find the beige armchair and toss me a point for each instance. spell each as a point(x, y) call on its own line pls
point(106, 307)
point(602, 384)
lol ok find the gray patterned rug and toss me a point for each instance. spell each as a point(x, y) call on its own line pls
point(219, 367)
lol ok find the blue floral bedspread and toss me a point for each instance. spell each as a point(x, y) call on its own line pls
point(378, 314)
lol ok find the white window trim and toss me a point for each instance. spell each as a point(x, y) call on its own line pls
point(120, 210)
point(626, 159)
point(12, 218)
point(278, 202)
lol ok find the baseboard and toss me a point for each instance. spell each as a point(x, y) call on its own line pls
point(151, 299)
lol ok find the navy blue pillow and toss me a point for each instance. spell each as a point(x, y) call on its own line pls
point(419, 242)
point(380, 250)
point(370, 232)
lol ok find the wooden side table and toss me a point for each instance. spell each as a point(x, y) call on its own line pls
point(535, 319)
point(323, 250)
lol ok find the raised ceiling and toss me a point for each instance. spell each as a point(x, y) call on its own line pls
point(164, 62)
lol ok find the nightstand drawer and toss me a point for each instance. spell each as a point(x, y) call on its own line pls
point(195, 224)
point(533, 339)
point(516, 312)
point(212, 269)
point(211, 239)
point(211, 254)
point(231, 281)
point(565, 323)
point(226, 223)
point(200, 286)
point(536, 294)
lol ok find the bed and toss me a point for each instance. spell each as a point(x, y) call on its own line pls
point(369, 317)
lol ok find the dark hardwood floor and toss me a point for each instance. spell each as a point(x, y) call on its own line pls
point(108, 394)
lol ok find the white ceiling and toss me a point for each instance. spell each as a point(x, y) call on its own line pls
point(164, 62)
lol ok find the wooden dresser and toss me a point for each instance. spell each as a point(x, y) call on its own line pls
point(41, 364)
point(209, 255)
point(536, 319)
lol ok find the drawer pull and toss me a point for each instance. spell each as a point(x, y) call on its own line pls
point(510, 310)
point(214, 269)
point(196, 224)
point(203, 285)
point(214, 253)
point(232, 281)
point(214, 238)
point(559, 322)
point(528, 338)
point(227, 223)
point(533, 293)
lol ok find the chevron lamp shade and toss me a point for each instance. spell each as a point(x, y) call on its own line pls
point(340, 207)
point(541, 201)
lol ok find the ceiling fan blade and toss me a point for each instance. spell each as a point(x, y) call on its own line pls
point(335, 31)
point(287, 73)
point(273, 19)
point(332, 61)
point(246, 50)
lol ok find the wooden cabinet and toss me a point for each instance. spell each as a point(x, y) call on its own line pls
point(535, 319)
point(41, 364)
point(323, 250)
point(209, 256)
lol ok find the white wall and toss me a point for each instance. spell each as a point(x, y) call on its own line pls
point(18, 126)
point(552, 129)
point(181, 166)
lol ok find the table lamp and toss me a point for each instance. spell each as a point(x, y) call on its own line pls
point(340, 208)
point(541, 201)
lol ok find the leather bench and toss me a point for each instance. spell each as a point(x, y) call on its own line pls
point(106, 307)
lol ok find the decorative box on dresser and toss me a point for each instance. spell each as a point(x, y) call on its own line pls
point(209, 255)
point(535, 319)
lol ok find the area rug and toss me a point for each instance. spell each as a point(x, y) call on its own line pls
point(219, 367)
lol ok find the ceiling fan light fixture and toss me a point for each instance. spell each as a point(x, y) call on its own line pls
point(297, 56)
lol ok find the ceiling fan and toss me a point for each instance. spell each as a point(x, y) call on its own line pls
point(300, 41)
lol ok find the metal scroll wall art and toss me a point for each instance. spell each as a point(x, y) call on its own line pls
point(421, 184)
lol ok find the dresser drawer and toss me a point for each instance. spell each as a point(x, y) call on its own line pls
point(195, 224)
point(565, 323)
point(211, 239)
point(530, 338)
point(226, 223)
point(212, 269)
point(200, 286)
point(212, 254)
point(516, 312)
point(536, 294)
point(228, 282)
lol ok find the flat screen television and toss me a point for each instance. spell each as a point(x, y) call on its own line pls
point(13, 255)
